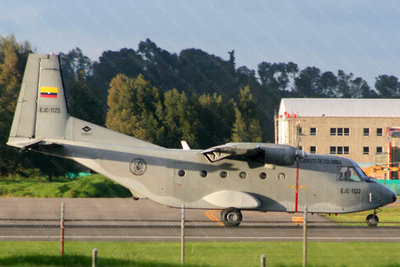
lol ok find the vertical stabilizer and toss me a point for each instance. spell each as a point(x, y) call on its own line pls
point(52, 106)
point(41, 110)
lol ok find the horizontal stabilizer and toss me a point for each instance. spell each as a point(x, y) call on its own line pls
point(236, 199)
point(22, 142)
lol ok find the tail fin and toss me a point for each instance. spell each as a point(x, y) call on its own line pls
point(41, 109)
point(42, 116)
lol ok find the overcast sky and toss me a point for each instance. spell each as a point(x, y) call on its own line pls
point(361, 37)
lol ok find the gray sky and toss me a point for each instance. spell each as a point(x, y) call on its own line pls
point(361, 37)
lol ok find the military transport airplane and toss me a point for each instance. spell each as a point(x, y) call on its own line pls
point(230, 177)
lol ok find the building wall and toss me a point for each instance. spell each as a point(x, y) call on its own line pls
point(297, 132)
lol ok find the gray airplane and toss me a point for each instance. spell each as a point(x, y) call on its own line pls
point(230, 177)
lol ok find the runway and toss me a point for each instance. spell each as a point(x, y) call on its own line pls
point(122, 219)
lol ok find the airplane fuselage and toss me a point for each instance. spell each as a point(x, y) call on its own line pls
point(172, 177)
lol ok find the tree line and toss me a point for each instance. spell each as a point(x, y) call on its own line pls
point(164, 97)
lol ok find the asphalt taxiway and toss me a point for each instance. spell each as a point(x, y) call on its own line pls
point(125, 219)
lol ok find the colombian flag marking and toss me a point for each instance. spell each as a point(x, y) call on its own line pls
point(49, 92)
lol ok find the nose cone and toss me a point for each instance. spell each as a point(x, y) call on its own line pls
point(387, 195)
point(394, 197)
point(381, 195)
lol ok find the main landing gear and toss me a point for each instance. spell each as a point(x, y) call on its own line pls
point(231, 217)
point(372, 219)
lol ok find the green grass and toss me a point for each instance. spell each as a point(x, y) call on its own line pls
point(88, 186)
point(34, 253)
point(389, 216)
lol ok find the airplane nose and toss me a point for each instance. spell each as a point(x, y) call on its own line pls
point(394, 197)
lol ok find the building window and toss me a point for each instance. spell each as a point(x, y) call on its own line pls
point(366, 132)
point(313, 131)
point(366, 150)
point(340, 131)
point(313, 149)
point(379, 132)
point(379, 150)
point(339, 150)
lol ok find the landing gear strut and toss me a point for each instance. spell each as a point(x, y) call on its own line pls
point(231, 217)
point(372, 219)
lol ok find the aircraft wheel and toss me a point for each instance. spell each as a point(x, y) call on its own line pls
point(372, 220)
point(231, 217)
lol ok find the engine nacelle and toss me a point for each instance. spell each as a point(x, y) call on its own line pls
point(281, 154)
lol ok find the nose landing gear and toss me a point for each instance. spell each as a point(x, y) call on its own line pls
point(372, 219)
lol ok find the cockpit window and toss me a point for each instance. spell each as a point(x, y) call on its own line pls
point(351, 174)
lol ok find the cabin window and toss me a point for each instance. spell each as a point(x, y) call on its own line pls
point(263, 176)
point(281, 176)
point(223, 174)
point(181, 173)
point(243, 175)
point(379, 132)
point(203, 173)
point(349, 174)
point(313, 131)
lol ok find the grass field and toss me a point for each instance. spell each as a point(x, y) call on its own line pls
point(89, 186)
point(29, 253)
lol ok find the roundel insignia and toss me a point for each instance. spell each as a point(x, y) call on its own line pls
point(138, 166)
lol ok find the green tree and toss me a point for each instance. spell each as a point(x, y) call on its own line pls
point(247, 127)
point(13, 57)
point(388, 86)
point(132, 108)
point(84, 101)
point(179, 119)
point(215, 117)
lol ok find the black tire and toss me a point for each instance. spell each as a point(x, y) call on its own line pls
point(372, 220)
point(231, 217)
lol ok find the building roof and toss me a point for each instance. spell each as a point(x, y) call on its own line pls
point(340, 107)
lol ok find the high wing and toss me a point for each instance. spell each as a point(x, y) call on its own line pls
point(260, 152)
